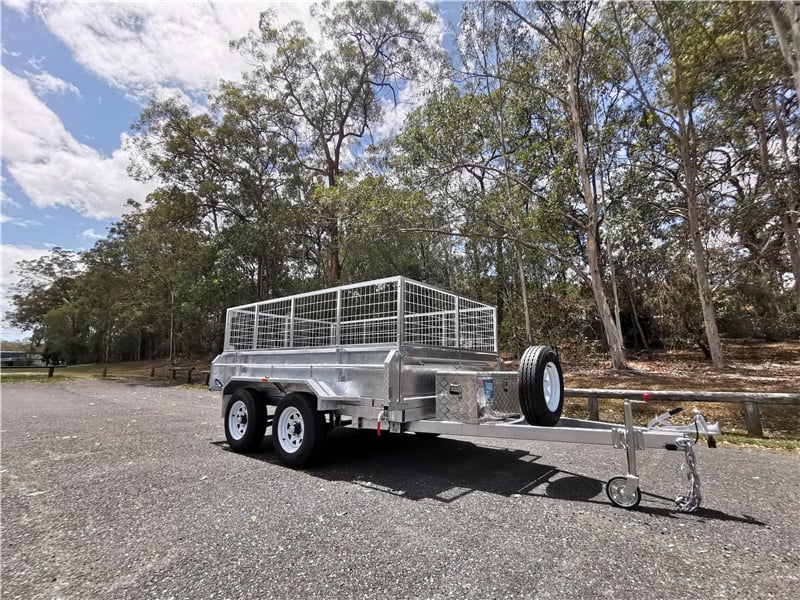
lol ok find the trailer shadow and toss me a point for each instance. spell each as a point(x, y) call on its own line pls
point(445, 470)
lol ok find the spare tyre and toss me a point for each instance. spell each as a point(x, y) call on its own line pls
point(541, 386)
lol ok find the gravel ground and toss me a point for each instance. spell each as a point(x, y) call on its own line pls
point(116, 489)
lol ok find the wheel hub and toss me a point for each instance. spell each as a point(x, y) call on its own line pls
point(237, 420)
point(290, 430)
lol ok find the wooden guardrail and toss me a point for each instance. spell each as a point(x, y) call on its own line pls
point(204, 374)
point(750, 401)
point(50, 368)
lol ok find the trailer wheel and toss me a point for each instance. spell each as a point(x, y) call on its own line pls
point(245, 421)
point(541, 386)
point(615, 490)
point(298, 430)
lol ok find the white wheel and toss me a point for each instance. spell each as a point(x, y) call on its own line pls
point(237, 420)
point(551, 386)
point(298, 430)
point(541, 386)
point(290, 430)
point(245, 421)
point(615, 489)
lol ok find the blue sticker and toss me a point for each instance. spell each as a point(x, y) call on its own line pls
point(488, 390)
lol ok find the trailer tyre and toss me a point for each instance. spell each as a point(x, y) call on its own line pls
point(245, 421)
point(298, 430)
point(615, 490)
point(541, 386)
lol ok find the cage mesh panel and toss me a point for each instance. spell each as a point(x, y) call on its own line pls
point(273, 324)
point(369, 314)
point(476, 326)
point(366, 314)
point(430, 317)
point(315, 320)
point(242, 326)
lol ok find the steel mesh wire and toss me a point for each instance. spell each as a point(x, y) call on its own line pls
point(363, 314)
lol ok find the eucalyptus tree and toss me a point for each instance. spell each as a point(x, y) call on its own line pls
point(758, 106)
point(564, 34)
point(667, 47)
point(47, 286)
point(331, 91)
point(785, 18)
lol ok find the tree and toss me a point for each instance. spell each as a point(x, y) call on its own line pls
point(565, 29)
point(225, 170)
point(45, 284)
point(665, 47)
point(330, 96)
point(785, 18)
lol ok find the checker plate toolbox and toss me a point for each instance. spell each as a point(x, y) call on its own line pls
point(398, 355)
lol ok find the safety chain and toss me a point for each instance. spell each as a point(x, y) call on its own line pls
point(690, 502)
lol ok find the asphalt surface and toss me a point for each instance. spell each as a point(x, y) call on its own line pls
point(127, 490)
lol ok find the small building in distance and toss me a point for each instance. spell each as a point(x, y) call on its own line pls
point(20, 358)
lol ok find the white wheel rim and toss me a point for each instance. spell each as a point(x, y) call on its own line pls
point(290, 430)
point(551, 386)
point(237, 420)
point(616, 490)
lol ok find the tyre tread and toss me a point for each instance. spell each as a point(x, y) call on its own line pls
point(531, 375)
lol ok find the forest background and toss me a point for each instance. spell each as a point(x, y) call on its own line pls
point(614, 177)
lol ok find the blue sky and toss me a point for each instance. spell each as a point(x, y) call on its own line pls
point(75, 76)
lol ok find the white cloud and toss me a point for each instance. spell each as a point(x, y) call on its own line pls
point(93, 235)
point(44, 83)
point(52, 167)
point(21, 6)
point(144, 46)
point(5, 199)
point(19, 222)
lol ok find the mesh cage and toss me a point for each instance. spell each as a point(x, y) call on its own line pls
point(388, 311)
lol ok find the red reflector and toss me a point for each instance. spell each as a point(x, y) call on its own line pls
point(646, 397)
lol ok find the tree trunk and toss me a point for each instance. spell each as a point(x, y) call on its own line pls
point(500, 287)
point(524, 288)
point(784, 26)
point(636, 322)
point(686, 140)
point(611, 270)
point(704, 288)
point(615, 345)
point(791, 202)
point(790, 230)
point(689, 168)
point(171, 327)
point(335, 264)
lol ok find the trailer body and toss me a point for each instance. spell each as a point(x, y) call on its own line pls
point(403, 356)
point(361, 350)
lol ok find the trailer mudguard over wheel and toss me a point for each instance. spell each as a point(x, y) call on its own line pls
point(245, 421)
point(541, 386)
point(298, 430)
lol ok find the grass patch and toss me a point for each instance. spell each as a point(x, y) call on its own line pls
point(735, 439)
point(128, 370)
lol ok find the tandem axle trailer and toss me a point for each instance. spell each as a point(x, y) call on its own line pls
point(400, 356)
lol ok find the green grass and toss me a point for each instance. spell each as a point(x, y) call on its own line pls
point(735, 439)
point(78, 372)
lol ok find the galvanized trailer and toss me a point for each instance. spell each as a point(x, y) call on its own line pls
point(402, 356)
